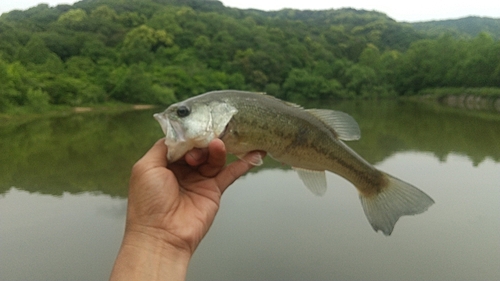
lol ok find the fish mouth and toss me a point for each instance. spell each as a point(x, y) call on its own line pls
point(174, 137)
point(172, 130)
point(164, 124)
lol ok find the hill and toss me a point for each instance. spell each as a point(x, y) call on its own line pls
point(468, 27)
point(161, 51)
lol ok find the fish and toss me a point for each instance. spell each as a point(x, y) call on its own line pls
point(309, 140)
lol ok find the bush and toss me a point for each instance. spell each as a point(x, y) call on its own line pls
point(74, 92)
point(37, 100)
point(162, 95)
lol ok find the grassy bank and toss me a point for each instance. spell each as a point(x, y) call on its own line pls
point(471, 99)
point(24, 114)
point(438, 93)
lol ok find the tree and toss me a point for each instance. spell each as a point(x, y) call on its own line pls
point(37, 100)
point(104, 21)
point(140, 43)
point(362, 81)
point(370, 57)
point(65, 44)
point(6, 89)
point(131, 84)
point(35, 52)
point(477, 67)
point(75, 19)
point(80, 67)
point(303, 84)
point(160, 51)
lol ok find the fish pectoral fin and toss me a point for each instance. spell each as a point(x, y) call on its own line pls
point(314, 180)
point(253, 158)
point(342, 123)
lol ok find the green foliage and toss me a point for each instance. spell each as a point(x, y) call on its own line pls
point(468, 27)
point(303, 84)
point(141, 43)
point(35, 52)
point(37, 100)
point(162, 51)
point(5, 87)
point(449, 62)
point(74, 19)
point(68, 90)
point(134, 85)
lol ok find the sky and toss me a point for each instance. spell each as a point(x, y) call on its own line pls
point(421, 10)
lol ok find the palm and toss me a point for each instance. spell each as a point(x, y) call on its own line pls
point(180, 201)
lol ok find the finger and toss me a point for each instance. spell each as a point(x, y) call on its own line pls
point(155, 157)
point(216, 159)
point(236, 169)
point(196, 156)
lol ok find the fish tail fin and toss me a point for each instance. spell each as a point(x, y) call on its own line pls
point(397, 199)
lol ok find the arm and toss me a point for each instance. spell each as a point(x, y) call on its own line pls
point(170, 209)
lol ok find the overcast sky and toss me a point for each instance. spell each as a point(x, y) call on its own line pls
point(419, 10)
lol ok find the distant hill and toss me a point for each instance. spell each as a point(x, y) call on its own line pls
point(465, 27)
point(162, 51)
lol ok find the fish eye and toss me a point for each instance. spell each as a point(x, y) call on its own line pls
point(183, 111)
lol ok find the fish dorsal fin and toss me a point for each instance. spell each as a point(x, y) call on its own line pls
point(342, 123)
point(291, 104)
point(314, 180)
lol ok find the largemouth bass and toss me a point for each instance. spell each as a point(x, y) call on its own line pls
point(310, 140)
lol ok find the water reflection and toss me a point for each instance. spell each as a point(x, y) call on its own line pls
point(269, 226)
point(77, 153)
point(94, 152)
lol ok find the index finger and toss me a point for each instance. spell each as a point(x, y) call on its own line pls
point(216, 159)
point(236, 169)
point(156, 156)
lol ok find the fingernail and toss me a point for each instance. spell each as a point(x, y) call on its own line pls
point(195, 154)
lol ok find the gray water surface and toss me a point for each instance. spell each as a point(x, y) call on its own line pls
point(63, 186)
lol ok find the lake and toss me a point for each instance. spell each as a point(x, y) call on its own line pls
point(63, 187)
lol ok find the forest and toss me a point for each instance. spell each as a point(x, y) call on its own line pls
point(162, 51)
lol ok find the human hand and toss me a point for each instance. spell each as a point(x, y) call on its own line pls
point(171, 207)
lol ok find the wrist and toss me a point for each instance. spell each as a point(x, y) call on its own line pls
point(146, 255)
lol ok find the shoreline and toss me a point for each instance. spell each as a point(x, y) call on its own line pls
point(82, 109)
point(477, 99)
point(26, 116)
point(465, 101)
point(472, 102)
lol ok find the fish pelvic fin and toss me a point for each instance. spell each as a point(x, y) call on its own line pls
point(253, 158)
point(395, 200)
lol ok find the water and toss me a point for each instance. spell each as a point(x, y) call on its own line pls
point(63, 184)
